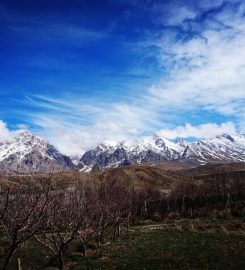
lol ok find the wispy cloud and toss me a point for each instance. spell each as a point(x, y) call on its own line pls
point(75, 125)
point(208, 130)
point(207, 69)
point(49, 27)
point(200, 50)
point(55, 32)
point(6, 134)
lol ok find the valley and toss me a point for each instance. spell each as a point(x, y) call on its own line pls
point(161, 212)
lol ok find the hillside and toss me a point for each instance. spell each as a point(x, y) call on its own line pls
point(136, 176)
point(162, 176)
point(205, 170)
point(140, 176)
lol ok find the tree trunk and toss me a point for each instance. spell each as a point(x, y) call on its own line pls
point(9, 257)
point(61, 262)
point(98, 240)
point(118, 230)
point(84, 247)
point(114, 233)
point(19, 264)
point(84, 250)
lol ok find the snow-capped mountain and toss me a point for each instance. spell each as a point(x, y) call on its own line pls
point(220, 149)
point(29, 153)
point(115, 154)
point(224, 148)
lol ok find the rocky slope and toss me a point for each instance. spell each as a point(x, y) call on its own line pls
point(112, 154)
point(29, 153)
point(220, 149)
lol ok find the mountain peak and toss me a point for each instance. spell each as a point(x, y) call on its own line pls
point(27, 135)
point(110, 143)
point(28, 152)
point(143, 149)
point(226, 136)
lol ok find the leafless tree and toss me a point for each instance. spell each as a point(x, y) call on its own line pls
point(61, 222)
point(147, 198)
point(21, 213)
point(86, 222)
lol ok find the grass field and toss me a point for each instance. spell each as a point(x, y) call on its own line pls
point(184, 244)
point(164, 250)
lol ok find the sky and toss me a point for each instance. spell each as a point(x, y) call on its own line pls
point(81, 72)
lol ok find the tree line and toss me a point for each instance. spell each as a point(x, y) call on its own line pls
point(222, 194)
point(56, 216)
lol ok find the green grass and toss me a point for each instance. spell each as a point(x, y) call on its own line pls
point(184, 244)
point(165, 250)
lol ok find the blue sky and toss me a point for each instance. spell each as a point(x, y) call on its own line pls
point(81, 72)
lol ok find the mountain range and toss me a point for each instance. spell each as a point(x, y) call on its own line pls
point(30, 153)
point(221, 149)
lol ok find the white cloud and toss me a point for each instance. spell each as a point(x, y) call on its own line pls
point(76, 126)
point(173, 17)
point(8, 135)
point(212, 77)
point(5, 133)
point(205, 73)
point(22, 126)
point(208, 130)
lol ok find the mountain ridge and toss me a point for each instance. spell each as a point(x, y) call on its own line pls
point(28, 152)
point(222, 148)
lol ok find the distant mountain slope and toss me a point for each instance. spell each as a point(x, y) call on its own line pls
point(221, 149)
point(225, 148)
point(212, 169)
point(140, 176)
point(29, 153)
point(111, 154)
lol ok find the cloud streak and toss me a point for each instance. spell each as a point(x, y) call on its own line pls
point(208, 130)
point(75, 125)
point(5, 133)
point(8, 135)
point(200, 52)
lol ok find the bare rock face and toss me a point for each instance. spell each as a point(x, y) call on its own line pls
point(29, 153)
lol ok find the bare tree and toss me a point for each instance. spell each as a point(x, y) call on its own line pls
point(21, 213)
point(87, 209)
point(61, 222)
